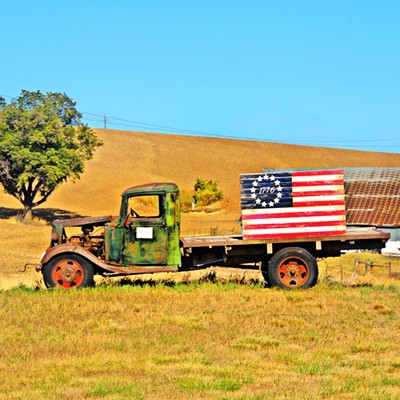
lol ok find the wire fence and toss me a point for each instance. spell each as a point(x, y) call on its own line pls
point(213, 227)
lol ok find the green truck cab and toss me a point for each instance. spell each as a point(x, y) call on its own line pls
point(147, 229)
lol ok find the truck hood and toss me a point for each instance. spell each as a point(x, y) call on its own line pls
point(86, 221)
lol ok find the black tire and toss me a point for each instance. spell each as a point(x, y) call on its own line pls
point(68, 271)
point(293, 268)
point(264, 272)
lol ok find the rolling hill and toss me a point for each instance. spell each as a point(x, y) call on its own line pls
point(130, 158)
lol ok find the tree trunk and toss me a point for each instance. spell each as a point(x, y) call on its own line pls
point(26, 216)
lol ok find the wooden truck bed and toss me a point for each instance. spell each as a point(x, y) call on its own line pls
point(352, 234)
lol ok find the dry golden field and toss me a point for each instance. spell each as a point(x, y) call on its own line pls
point(131, 158)
point(180, 337)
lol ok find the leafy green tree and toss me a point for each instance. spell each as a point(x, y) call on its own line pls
point(43, 143)
point(206, 192)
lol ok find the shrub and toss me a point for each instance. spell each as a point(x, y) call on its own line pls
point(206, 192)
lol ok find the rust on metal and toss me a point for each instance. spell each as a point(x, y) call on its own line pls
point(67, 248)
point(372, 196)
point(37, 267)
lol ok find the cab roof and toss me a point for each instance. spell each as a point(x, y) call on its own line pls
point(148, 188)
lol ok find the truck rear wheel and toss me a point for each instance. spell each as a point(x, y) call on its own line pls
point(68, 271)
point(293, 268)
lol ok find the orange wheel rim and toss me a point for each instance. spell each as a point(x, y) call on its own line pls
point(293, 272)
point(68, 274)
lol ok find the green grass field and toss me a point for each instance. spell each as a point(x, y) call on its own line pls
point(213, 335)
point(201, 340)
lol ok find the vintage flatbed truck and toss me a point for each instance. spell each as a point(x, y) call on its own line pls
point(145, 238)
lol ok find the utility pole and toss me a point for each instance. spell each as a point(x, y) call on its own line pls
point(105, 121)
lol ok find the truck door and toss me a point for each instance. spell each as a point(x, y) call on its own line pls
point(145, 238)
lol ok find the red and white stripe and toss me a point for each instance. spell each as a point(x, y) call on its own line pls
point(318, 210)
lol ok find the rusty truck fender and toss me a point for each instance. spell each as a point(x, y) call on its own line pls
point(54, 251)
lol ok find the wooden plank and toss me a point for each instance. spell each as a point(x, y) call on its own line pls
point(214, 241)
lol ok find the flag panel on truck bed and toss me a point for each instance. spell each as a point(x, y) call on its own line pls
point(280, 205)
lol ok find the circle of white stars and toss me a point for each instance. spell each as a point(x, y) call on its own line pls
point(275, 189)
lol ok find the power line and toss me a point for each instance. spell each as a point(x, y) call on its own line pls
point(105, 120)
point(146, 125)
point(149, 126)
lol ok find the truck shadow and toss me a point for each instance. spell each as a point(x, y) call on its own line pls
point(44, 214)
point(208, 276)
point(144, 282)
point(168, 281)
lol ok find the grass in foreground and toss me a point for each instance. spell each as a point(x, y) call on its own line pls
point(201, 340)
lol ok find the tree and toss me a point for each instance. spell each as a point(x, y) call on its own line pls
point(43, 143)
point(206, 192)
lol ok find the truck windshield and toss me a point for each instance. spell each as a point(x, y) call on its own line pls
point(145, 206)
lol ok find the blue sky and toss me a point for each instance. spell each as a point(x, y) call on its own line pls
point(324, 73)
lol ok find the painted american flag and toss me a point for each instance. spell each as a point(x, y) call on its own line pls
point(293, 204)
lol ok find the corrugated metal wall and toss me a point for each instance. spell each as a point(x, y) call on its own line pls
point(372, 196)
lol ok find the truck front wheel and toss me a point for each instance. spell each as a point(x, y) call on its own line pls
point(68, 271)
point(293, 268)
